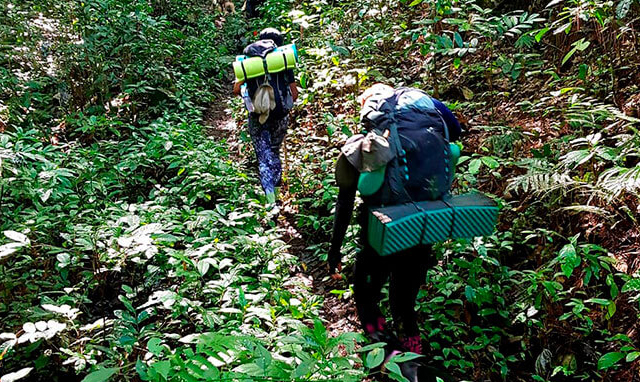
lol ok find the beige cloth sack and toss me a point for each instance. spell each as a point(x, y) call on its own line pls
point(263, 102)
point(367, 153)
point(363, 156)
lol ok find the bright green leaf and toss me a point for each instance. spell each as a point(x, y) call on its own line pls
point(100, 375)
point(609, 359)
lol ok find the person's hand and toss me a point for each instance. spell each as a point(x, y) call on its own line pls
point(294, 91)
point(336, 272)
point(334, 262)
point(237, 87)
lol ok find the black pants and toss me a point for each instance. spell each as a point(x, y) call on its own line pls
point(406, 272)
point(252, 6)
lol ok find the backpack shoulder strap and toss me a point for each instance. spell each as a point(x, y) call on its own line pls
point(394, 173)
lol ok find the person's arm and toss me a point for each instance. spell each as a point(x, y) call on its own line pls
point(290, 78)
point(341, 221)
point(453, 125)
point(237, 87)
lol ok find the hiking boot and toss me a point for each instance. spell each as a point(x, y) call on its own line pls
point(271, 198)
point(410, 370)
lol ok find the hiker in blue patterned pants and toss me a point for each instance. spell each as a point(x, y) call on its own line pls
point(267, 140)
point(268, 129)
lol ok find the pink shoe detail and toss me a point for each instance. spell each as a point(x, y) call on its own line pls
point(412, 344)
point(382, 323)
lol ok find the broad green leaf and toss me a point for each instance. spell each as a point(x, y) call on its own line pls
point(340, 49)
point(101, 375)
point(303, 369)
point(162, 367)
point(141, 369)
point(404, 357)
point(374, 358)
point(371, 347)
point(250, 369)
point(569, 259)
point(611, 310)
point(632, 356)
point(203, 267)
point(396, 373)
point(490, 162)
point(155, 346)
point(458, 39)
point(242, 300)
point(474, 166)
point(319, 332)
point(613, 291)
point(469, 293)
point(609, 359)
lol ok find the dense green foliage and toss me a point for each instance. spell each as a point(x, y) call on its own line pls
point(128, 230)
point(136, 246)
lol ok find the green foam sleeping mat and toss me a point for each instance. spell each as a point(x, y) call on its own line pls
point(284, 57)
point(396, 228)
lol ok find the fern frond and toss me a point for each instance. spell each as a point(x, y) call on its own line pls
point(542, 177)
point(614, 181)
point(586, 208)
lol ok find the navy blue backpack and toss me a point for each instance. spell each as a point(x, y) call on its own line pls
point(279, 81)
point(421, 169)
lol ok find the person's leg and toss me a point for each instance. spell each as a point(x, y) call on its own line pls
point(408, 273)
point(261, 139)
point(370, 276)
point(278, 130)
point(252, 5)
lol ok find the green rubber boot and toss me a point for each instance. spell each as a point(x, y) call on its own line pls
point(271, 198)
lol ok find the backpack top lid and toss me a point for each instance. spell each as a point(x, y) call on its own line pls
point(260, 48)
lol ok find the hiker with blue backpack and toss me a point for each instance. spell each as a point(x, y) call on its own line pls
point(404, 157)
point(269, 98)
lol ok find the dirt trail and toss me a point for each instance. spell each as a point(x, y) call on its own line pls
point(338, 313)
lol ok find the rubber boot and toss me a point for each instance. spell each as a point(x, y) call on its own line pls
point(410, 370)
point(278, 200)
point(271, 198)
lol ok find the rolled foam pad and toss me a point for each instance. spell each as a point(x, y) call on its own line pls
point(281, 60)
point(252, 66)
point(395, 228)
point(438, 219)
point(474, 215)
point(284, 57)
